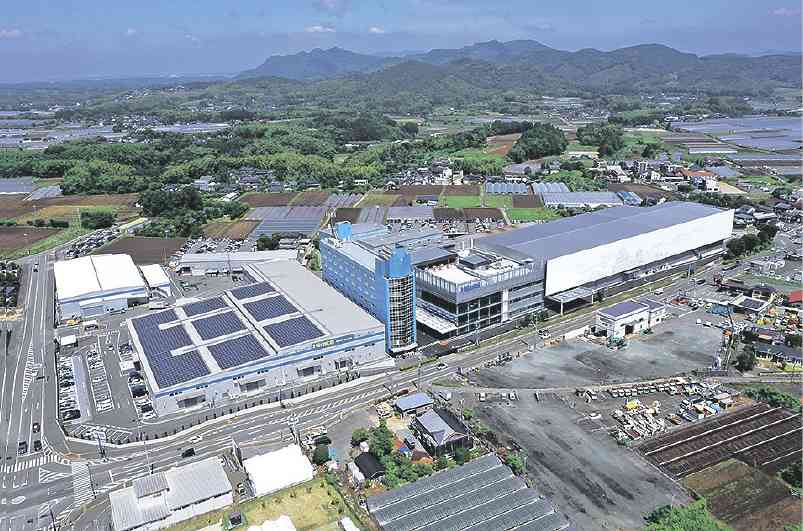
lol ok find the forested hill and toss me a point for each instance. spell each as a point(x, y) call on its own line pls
point(522, 64)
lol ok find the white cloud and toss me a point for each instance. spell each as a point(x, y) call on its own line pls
point(319, 29)
point(10, 33)
point(785, 12)
point(376, 30)
point(130, 32)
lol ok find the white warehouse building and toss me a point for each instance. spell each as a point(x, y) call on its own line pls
point(97, 284)
point(610, 250)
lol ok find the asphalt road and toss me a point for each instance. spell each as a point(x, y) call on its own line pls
point(70, 479)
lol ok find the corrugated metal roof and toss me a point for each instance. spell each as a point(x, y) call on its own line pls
point(623, 308)
point(586, 231)
point(145, 486)
point(413, 401)
point(581, 198)
point(196, 482)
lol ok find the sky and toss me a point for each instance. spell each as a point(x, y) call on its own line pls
point(76, 39)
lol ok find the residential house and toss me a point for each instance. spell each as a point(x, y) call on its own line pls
point(441, 432)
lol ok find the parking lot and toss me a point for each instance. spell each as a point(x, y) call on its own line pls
point(677, 345)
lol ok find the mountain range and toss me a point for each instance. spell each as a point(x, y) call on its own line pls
point(530, 64)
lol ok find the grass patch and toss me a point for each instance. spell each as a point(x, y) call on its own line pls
point(311, 505)
point(498, 201)
point(375, 199)
point(767, 180)
point(65, 212)
point(462, 201)
point(577, 146)
point(531, 214)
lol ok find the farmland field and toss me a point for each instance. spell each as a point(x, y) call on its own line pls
point(13, 206)
point(531, 214)
point(745, 498)
point(14, 238)
point(375, 199)
point(462, 189)
point(310, 199)
point(263, 200)
point(527, 201)
point(498, 201)
point(462, 201)
point(501, 144)
point(234, 230)
point(143, 250)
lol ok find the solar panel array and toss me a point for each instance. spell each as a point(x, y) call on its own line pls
point(269, 308)
point(252, 290)
point(218, 325)
point(550, 522)
point(171, 370)
point(287, 220)
point(237, 351)
point(507, 188)
point(208, 305)
point(293, 331)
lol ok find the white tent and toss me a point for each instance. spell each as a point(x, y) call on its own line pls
point(278, 470)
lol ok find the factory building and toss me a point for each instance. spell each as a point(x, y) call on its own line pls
point(289, 328)
point(200, 264)
point(97, 284)
point(377, 274)
point(467, 284)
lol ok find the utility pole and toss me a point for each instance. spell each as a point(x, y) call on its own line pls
point(52, 518)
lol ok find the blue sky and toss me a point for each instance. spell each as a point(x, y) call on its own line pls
point(71, 39)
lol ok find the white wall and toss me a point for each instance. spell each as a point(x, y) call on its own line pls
point(569, 271)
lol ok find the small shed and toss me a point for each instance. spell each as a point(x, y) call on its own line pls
point(413, 404)
point(369, 466)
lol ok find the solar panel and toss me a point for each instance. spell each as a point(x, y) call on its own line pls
point(171, 370)
point(208, 305)
point(550, 522)
point(270, 308)
point(237, 351)
point(218, 325)
point(486, 511)
point(253, 290)
point(293, 331)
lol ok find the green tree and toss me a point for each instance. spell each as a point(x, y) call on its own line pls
point(540, 140)
point(381, 440)
point(773, 397)
point(468, 413)
point(268, 243)
point(321, 454)
point(461, 456)
point(441, 463)
point(746, 360)
point(97, 219)
point(694, 516)
point(792, 474)
point(793, 340)
point(607, 137)
point(515, 462)
point(359, 435)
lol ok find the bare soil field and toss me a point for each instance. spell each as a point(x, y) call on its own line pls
point(462, 189)
point(501, 144)
point(235, 230)
point(744, 497)
point(90, 200)
point(378, 199)
point(527, 201)
point(13, 206)
point(594, 482)
point(13, 238)
point(483, 213)
point(310, 199)
point(422, 189)
point(143, 250)
point(264, 200)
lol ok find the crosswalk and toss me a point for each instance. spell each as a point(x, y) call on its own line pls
point(81, 484)
point(34, 461)
point(49, 476)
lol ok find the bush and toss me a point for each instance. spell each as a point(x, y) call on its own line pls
point(792, 474)
point(359, 435)
point(100, 219)
point(321, 454)
point(693, 516)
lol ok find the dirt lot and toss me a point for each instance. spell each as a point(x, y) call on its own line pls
point(501, 144)
point(263, 200)
point(483, 213)
point(13, 238)
point(143, 250)
point(236, 230)
point(745, 498)
point(678, 345)
point(347, 214)
point(593, 481)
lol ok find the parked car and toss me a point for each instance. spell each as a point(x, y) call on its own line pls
point(35, 427)
point(189, 452)
point(37, 446)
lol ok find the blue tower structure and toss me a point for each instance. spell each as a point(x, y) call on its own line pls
point(382, 282)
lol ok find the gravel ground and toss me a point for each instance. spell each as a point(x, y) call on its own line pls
point(593, 481)
point(677, 345)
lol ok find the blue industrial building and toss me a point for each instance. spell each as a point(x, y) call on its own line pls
point(381, 281)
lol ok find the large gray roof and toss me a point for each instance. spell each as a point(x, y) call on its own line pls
point(546, 241)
